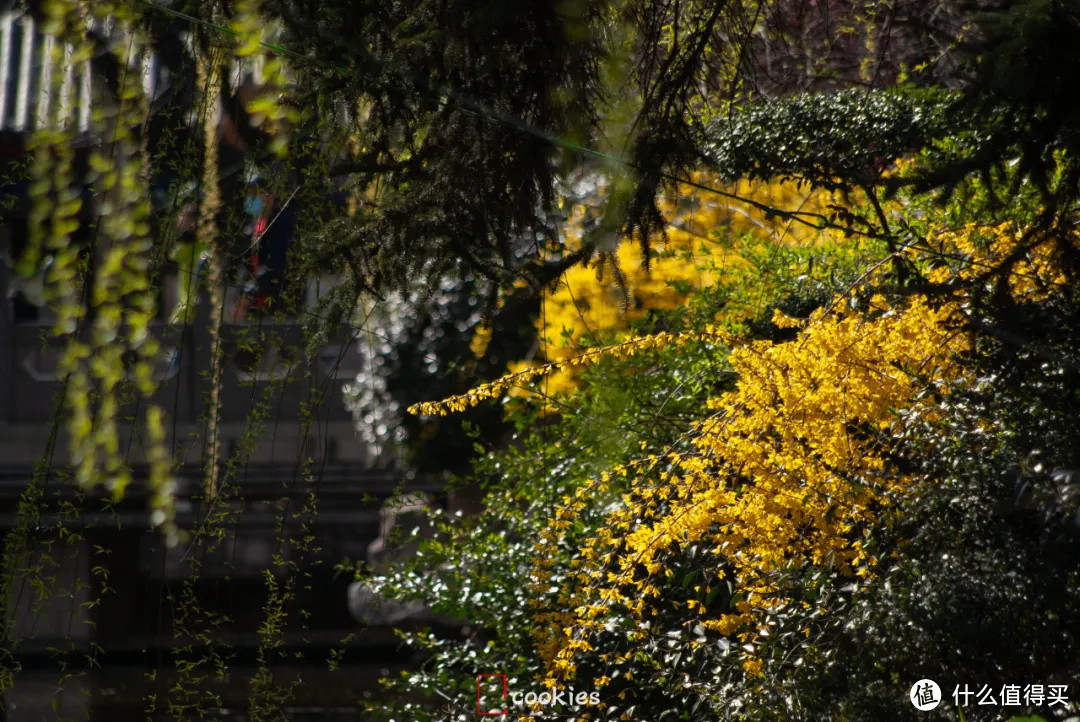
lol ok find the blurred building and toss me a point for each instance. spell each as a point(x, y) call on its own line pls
point(300, 493)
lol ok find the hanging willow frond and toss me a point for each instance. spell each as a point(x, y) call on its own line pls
point(99, 287)
point(209, 81)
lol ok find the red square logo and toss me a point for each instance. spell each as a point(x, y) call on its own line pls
point(488, 686)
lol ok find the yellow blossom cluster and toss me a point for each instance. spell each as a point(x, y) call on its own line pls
point(592, 302)
point(623, 350)
point(1035, 269)
point(785, 471)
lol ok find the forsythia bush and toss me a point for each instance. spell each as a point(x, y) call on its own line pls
point(730, 542)
point(787, 470)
